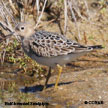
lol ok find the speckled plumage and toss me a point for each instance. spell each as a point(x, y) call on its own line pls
point(50, 44)
point(49, 48)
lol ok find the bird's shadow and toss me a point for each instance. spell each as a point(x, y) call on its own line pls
point(38, 88)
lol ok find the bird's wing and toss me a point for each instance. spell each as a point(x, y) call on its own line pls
point(49, 44)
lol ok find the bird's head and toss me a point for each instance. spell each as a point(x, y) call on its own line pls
point(24, 30)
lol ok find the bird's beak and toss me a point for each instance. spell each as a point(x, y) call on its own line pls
point(10, 34)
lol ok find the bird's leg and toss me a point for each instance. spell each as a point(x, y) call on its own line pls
point(58, 77)
point(47, 78)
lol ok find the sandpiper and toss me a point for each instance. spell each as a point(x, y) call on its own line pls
point(50, 49)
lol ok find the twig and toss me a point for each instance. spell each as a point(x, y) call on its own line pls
point(6, 27)
point(70, 5)
point(3, 55)
point(66, 17)
point(13, 7)
point(86, 5)
point(6, 37)
point(38, 7)
point(76, 9)
point(41, 14)
point(85, 38)
point(48, 22)
point(4, 6)
point(21, 15)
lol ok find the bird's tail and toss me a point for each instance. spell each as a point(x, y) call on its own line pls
point(95, 47)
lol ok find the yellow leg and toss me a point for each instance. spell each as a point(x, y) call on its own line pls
point(58, 77)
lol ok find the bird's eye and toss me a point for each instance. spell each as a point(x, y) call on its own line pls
point(22, 28)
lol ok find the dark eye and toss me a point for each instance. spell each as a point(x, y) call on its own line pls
point(22, 28)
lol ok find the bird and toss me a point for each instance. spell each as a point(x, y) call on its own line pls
point(49, 48)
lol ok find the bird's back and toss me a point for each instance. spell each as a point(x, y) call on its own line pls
point(50, 44)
